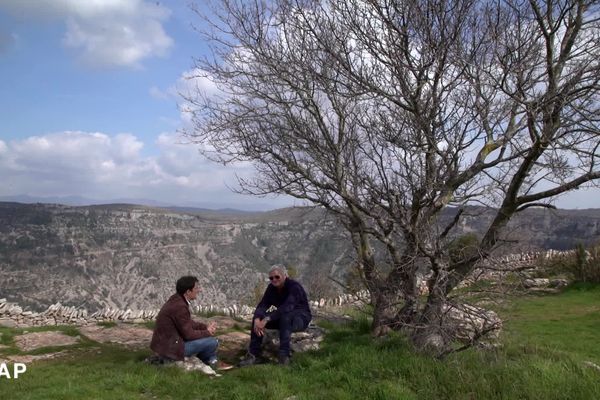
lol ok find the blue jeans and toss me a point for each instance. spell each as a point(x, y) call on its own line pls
point(286, 324)
point(204, 348)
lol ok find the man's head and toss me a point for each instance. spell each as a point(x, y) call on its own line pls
point(188, 287)
point(277, 275)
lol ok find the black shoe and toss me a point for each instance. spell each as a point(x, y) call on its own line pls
point(284, 360)
point(251, 359)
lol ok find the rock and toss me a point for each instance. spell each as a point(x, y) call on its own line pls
point(536, 283)
point(559, 283)
point(233, 344)
point(126, 334)
point(7, 323)
point(222, 322)
point(469, 323)
point(26, 359)
point(15, 310)
point(36, 340)
point(431, 343)
point(194, 364)
point(301, 341)
point(592, 365)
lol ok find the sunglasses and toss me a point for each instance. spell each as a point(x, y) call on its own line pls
point(274, 277)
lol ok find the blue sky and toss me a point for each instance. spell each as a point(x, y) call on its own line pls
point(89, 105)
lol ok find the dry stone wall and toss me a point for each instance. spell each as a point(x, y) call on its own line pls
point(525, 264)
point(13, 315)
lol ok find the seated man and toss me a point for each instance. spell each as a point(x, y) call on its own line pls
point(292, 315)
point(177, 335)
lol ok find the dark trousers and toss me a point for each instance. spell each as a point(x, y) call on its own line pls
point(286, 324)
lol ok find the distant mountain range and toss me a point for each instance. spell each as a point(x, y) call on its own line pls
point(124, 255)
point(84, 201)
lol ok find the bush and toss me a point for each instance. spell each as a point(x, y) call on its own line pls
point(583, 266)
point(587, 264)
point(463, 247)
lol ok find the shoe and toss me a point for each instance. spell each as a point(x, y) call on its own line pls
point(220, 366)
point(250, 359)
point(284, 360)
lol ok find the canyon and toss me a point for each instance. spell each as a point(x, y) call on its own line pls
point(129, 256)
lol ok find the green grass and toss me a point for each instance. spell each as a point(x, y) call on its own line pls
point(546, 340)
point(568, 323)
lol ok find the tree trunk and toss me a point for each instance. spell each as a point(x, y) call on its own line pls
point(430, 334)
point(397, 302)
point(387, 306)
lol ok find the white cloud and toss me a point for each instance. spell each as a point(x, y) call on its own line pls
point(195, 81)
point(104, 167)
point(156, 93)
point(104, 32)
point(190, 85)
point(100, 166)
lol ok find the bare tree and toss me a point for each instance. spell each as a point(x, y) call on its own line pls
point(387, 112)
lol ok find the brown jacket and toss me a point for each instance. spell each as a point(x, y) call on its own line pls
point(174, 326)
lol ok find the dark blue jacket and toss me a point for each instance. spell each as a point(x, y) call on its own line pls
point(291, 298)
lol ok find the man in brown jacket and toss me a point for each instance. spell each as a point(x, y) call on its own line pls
point(177, 335)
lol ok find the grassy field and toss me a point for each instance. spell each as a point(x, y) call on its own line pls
point(546, 342)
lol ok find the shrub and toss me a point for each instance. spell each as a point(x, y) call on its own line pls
point(583, 266)
point(463, 247)
point(587, 264)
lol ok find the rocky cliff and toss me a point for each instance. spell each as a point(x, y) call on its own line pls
point(130, 256)
point(126, 256)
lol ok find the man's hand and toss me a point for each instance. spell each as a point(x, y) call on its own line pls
point(212, 327)
point(259, 326)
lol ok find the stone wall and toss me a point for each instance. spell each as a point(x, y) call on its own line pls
point(13, 315)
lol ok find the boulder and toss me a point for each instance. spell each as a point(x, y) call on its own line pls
point(469, 323)
point(194, 364)
point(310, 339)
point(536, 283)
point(559, 283)
point(7, 323)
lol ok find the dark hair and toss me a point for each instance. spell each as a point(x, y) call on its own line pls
point(185, 283)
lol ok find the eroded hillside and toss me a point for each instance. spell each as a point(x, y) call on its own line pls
point(130, 256)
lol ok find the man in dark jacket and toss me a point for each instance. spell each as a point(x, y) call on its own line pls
point(291, 314)
point(177, 335)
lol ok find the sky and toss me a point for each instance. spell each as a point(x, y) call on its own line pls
point(90, 106)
